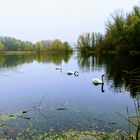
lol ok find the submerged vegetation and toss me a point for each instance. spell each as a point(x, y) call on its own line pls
point(16, 132)
point(10, 125)
point(121, 36)
point(75, 135)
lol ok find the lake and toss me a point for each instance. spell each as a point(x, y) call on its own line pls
point(36, 95)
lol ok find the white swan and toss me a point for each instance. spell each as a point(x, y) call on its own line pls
point(97, 81)
point(76, 73)
point(58, 68)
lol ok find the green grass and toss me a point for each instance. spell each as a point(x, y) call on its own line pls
point(77, 135)
point(16, 52)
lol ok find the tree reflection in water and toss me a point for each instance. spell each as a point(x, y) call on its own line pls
point(14, 60)
point(114, 67)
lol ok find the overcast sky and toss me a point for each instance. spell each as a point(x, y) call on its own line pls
point(35, 20)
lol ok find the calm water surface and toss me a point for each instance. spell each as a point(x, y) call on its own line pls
point(56, 100)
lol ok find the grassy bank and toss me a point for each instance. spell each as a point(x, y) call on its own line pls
point(16, 52)
point(78, 135)
point(131, 53)
point(29, 52)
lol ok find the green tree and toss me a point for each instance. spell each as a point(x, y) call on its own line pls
point(67, 47)
point(133, 26)
point(83, 43)
point(116, 33)
point(39, 47)
point(92, 41)
point(89, 42)
point(2, 47)
point(58, 46)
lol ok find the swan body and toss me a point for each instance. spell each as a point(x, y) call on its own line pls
point(58, 68)
point(69, 72)
point(97, 81)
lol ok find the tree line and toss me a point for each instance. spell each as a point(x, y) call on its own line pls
point(122, 35)
point(12, 44)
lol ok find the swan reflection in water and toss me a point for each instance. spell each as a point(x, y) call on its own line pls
point(59, 68)
point(102, 86)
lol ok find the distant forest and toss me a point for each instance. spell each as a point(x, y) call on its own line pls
point(12, 44)
point(122, 35)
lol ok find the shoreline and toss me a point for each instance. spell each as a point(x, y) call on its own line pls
point(28, 52)
point(130, 53)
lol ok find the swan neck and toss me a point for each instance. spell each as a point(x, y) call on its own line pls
point(103, 78)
